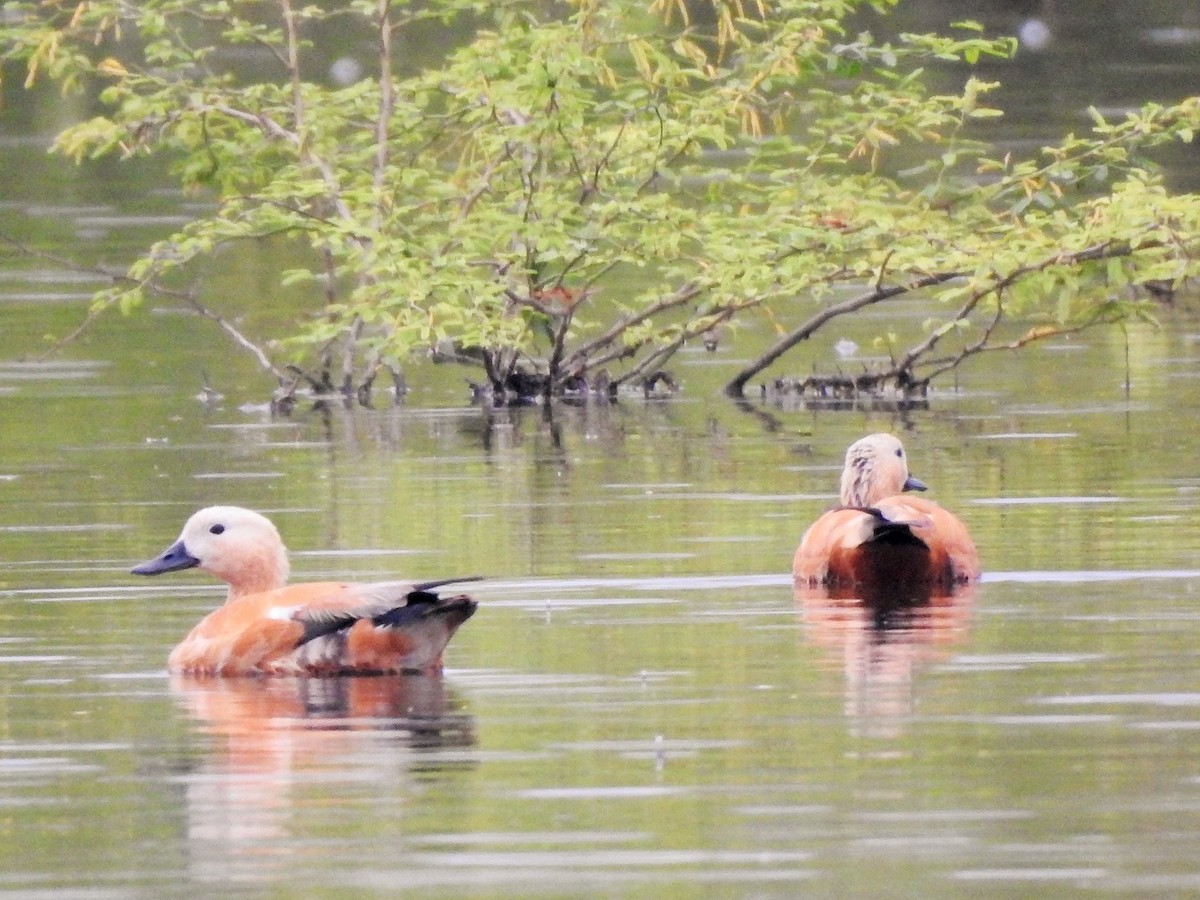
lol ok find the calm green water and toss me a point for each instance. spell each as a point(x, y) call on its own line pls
point(640, 707)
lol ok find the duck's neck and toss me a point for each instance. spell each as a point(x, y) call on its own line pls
point(266, 572)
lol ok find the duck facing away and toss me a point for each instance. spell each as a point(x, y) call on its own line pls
point(881, 538)
point(267, 627)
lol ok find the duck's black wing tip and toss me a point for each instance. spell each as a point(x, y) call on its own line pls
point(431, 585)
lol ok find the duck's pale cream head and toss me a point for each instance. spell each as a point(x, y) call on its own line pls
point(237, 545)
point(876, 468)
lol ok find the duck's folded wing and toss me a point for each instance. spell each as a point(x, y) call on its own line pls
point(944, 532)
point(832, 534)
point(897, 521)
point(328, 608)
point(381, 627)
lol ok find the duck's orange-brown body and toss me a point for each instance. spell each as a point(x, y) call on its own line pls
point(881, 537)
point(266, 627)
point(263, 633)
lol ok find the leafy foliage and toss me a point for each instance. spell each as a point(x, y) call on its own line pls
point(576, 192)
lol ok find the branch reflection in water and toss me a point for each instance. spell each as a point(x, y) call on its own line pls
point(279, 743)
point(884, 636)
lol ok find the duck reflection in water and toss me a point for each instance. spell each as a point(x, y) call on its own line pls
point(279, 745)
point(886, 577)
point(883, 640)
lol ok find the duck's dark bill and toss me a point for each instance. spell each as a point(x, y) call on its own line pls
point(172, 559)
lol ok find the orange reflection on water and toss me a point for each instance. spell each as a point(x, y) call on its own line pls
point(883, 637)
point(278, 744)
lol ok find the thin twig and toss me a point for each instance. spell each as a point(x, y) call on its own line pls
point(114, 278)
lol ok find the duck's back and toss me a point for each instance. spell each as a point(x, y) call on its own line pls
point(902, 540)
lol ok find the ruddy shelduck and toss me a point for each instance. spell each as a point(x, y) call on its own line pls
point(880, 537)
point(267, 627)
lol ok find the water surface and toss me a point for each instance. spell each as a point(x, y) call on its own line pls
point(640, 704)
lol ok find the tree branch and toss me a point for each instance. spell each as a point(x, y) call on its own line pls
point(736, 386)
point(660, 356)
point(683, 294)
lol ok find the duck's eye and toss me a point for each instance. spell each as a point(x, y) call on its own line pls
point(900, 453)
point(217, 529)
